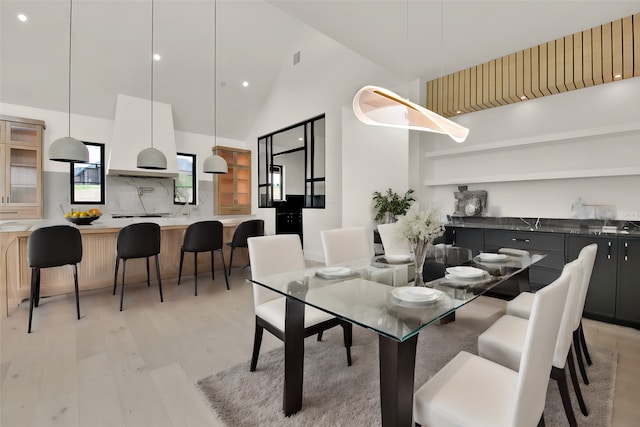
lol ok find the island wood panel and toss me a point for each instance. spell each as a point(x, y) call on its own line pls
point(96, 270)
point(582, 59)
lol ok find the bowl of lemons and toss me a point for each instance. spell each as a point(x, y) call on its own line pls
point(83, 217)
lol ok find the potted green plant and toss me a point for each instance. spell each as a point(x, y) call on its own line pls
point(390, 205)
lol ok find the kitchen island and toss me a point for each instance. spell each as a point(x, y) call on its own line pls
point(96, 269)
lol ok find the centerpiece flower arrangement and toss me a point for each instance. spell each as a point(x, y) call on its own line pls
point(420, 228)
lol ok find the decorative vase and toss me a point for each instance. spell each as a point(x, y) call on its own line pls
point(389, 218)
point(419, 254)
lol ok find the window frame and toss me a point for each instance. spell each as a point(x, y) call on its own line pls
point(103, 183)
point(194, 181)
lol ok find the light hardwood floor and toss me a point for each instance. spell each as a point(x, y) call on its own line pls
point(138, 367)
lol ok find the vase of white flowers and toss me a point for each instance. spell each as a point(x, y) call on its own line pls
point(420, 228)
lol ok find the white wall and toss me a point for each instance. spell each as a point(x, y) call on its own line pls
point(583, 143)
point(324, 81)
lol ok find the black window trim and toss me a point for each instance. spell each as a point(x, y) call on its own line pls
point(194, 181)
point(103, 183)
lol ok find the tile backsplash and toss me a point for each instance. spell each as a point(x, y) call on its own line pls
point(126, 195)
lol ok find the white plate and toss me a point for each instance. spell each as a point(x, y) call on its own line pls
point(415, 294)
point(489, 257)
point(466, 272)
point(398, 259)
point(333, 272)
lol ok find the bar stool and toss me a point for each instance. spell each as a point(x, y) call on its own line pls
point(203, 236)
point(140, 240)
point(244, 230)
point(52, 247)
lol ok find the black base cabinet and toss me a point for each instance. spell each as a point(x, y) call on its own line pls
point(614, 289)
point(551, 244)
point(628, 296)
point(601, 297)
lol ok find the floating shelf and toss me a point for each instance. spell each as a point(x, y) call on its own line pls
point(583, 173)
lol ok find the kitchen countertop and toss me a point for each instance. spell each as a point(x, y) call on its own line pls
point(550, 225)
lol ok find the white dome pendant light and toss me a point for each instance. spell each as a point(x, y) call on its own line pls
point(214, 163)
point(68, 149)
point(152, 158)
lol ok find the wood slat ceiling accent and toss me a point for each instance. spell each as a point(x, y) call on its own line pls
point(595, 56)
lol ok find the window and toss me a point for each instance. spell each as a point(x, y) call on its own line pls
point(87, 179)
point(298, 150)
point(184, 185)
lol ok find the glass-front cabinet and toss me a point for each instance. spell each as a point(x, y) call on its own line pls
point(21, 159)
point(233, 189)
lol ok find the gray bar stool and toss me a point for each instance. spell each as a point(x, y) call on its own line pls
point(203, 236)
point(141, 240)
point(52, 247)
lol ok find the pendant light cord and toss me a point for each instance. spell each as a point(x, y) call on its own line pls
point(69, 83)
point(215, 66)
point(152, 59)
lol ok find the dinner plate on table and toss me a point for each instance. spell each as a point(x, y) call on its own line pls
point(398, 259)
point(464, 272)
point(415, 295)
point(492, 257)
point(333, 272)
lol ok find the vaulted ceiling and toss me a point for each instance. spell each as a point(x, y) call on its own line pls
point(111, 45)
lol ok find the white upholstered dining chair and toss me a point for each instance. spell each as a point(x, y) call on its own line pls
point(503, 343)
point(278, 254)
point(346, 244)
point(392, 241)
point(521, 307)
point(472, 391)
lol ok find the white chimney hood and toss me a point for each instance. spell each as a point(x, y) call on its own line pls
point(132, 134)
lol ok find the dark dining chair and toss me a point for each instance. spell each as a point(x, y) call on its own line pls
point(203, 236)
point(53, 246)
point(245, 230)
point(141, 240)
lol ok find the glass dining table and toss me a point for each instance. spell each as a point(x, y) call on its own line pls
point(380, 296)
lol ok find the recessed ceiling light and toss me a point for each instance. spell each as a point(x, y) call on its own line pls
point(458, 112)
point(523, 97)
point(22, 17)
point(156, 57)
point(617, 76)
point(245, 83)
point(299, 139)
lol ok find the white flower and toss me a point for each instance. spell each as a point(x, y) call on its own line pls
point(420, 226)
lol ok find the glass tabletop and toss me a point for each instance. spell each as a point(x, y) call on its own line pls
point(382, 297)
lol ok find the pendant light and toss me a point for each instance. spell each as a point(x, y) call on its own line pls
point(68, 149)
point(214, 163)
point(377, 106)
point(152, 158)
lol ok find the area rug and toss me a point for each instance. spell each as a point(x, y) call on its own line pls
point(337, 395)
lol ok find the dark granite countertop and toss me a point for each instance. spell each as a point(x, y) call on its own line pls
point(549, 225)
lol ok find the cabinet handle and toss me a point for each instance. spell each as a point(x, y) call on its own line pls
point(520, 240)
point(609, 253)
point(454, 238)
point(626, 251)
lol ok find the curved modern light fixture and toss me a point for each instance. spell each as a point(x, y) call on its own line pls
point(68, 149)
point(377, 106)
point(214, 163)
point(152, 158)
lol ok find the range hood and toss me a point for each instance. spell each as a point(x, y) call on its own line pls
point(132, 134)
